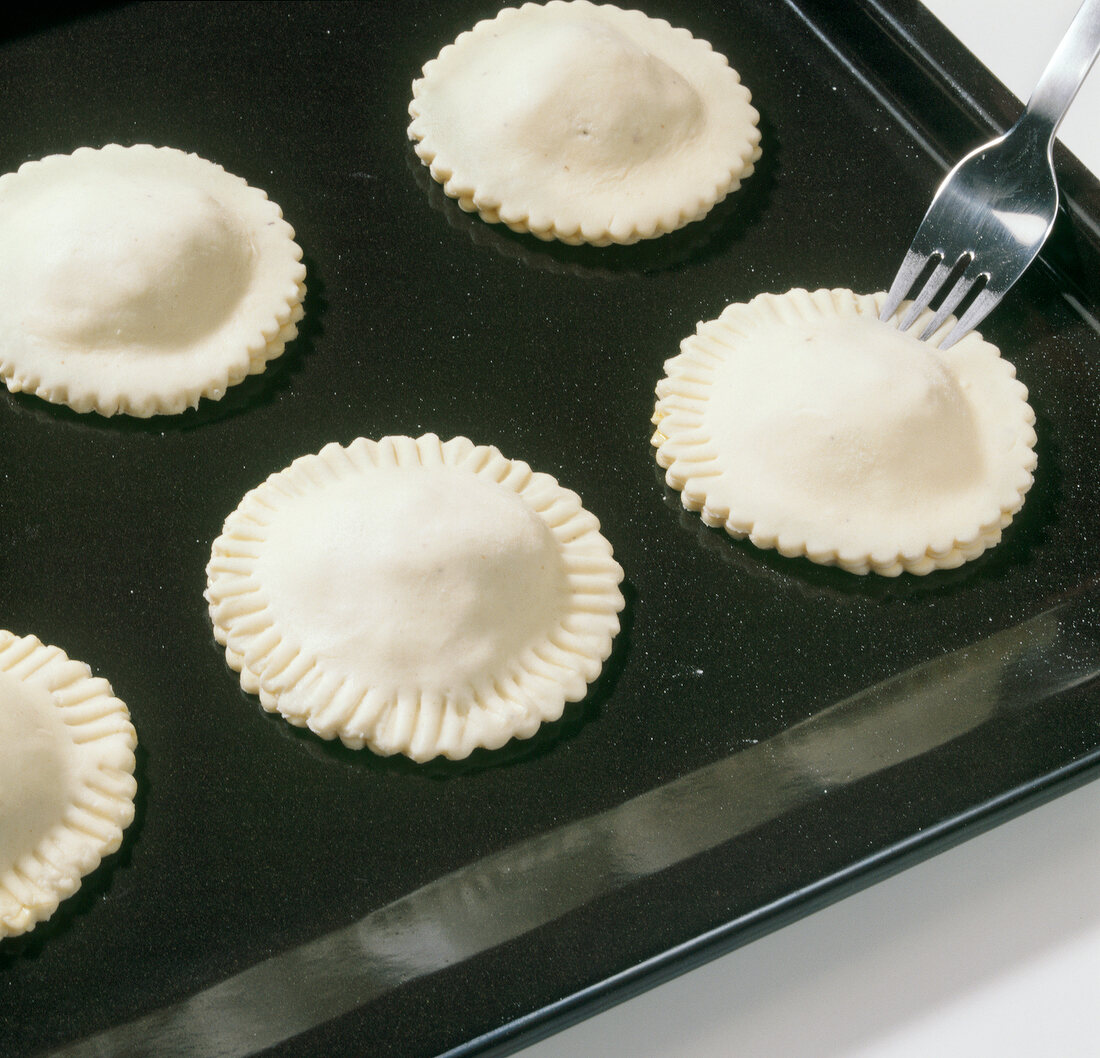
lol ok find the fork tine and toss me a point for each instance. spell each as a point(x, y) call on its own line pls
point(1000, 202)
point(982, 305)
point(956, 294)
point(911, 268)
point(927, 293)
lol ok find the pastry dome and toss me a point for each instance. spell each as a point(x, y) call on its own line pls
point(584, 122)
point(140, 279)
point(414, 596)
point(804, 423)
point(66, 778)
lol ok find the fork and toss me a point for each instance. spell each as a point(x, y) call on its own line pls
point(995, 209)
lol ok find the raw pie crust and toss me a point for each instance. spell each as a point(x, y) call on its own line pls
point(584, 123)
point(139, 279)
point(414, 596)
point(66, 778)
point(803, 423)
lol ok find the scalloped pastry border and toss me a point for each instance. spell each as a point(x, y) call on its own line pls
point(527, 218)
point(103, 804)
point(508, 704)
point(685, 452)
point(274, 325)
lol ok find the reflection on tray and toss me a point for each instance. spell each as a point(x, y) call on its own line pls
point(536, 881)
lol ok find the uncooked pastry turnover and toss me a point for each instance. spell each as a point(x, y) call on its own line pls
point(584, 122)
point(414, 596)
point(139, 279)
point(66, 778)
point(807, 425)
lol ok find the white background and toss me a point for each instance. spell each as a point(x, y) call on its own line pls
point(989, 949)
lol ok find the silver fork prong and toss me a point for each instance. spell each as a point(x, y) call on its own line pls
point(954, 297)
point(927, 293)
point(911, 268)
point(995, 209)
point(982, 305)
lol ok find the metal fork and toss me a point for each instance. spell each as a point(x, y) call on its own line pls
point(995, 209)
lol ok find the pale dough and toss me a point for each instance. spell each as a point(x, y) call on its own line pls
point(66, 778)
point(140, 279)
point(414, 596)
point(584, 122)
point(804, 423)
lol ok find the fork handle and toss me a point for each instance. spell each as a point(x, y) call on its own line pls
point(1068, 67)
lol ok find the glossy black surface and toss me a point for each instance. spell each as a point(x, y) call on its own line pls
point(253, 840)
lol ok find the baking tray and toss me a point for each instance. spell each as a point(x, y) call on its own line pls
point(768, 735)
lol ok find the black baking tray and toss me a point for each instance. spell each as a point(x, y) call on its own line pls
point(768, 735)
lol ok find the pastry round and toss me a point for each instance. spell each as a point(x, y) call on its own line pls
point(139, 279)
point(584, 122)
point(807, 425)
point(66, 778)
point(414, 596)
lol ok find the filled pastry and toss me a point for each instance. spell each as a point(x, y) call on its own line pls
point(66, 778)
point(803, 423)
point(140, 279)
point(414, 596)
point(584, 122)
